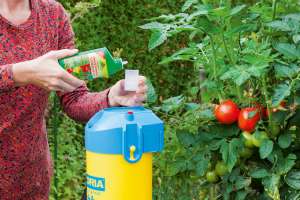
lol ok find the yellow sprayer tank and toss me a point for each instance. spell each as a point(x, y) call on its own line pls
point(119, 145)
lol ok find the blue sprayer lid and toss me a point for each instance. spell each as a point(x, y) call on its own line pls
point(116, 130)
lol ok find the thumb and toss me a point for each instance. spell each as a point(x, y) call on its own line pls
point(62, 53)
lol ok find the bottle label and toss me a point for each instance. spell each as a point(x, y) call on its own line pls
point(89, 66)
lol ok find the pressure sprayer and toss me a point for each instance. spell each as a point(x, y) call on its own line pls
point(119, 141)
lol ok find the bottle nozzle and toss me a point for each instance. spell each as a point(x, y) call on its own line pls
point(125, 62)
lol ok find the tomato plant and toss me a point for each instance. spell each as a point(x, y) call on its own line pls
point(246, 51)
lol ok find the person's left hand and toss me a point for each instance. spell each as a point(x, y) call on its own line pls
point(119, 97)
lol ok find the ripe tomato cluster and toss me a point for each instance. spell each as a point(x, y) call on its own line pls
point(228, 113)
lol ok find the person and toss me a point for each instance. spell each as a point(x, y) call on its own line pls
point(34, 34)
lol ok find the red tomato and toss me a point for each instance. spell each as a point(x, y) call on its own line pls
point(246, 122)
point(227, 112)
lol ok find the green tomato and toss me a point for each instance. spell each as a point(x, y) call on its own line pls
point(274, 129)
point(248, 139)
point(249, 144)
point(246, 153)
point(258, 137)
point(221, 169)
point(212, 177)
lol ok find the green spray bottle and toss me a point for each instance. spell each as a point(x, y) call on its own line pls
point(99, 63)
point(88, 65)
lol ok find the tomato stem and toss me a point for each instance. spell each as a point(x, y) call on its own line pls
point(274, 7)
point(267, 99)
point(212, 193)
point(226, 49)
point(212, 43)
point(238, 90)
point(214, 57)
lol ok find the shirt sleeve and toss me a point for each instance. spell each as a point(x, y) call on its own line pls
point(6, 78)
point(80, 104)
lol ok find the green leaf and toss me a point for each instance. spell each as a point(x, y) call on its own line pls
point(153, 25)
point(293, 195)
point(293, 179)
point(275, 155)
point(241, 195)
point(259, 173)
point(285, 164)
point(182, 54)
point(239, 29)
point(220, 12)
point(257, 70)
point(172, 103)
point(241, 73)
point(191, 106)
point(151, 94)
point(266, 148)
point(293, 16)
point(280, 25)
point(230, 152)
point(174, 167)
point(185, 138)
point(242, 182)
point(280, 93)
point(271, 185)
point(223, 131)
point(202, 163)
point(156, 39)
point(188, 4)
point(186, 28)
point(285, 140)
point(238, 74)
point(197, 13)
point(284, 71)
point(237, 9)
point(289, 50)
point(296, 38)
point(206, 114)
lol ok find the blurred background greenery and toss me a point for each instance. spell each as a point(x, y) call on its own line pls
point(113, 24)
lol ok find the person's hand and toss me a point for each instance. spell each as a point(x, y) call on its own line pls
point(46, 73)
point(119, 97)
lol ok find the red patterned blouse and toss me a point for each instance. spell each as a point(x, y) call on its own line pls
point(25, 164)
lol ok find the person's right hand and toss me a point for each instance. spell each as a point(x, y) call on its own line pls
point(46, 73)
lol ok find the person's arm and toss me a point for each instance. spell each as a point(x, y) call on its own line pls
point(6, 78)
point(80, 104)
